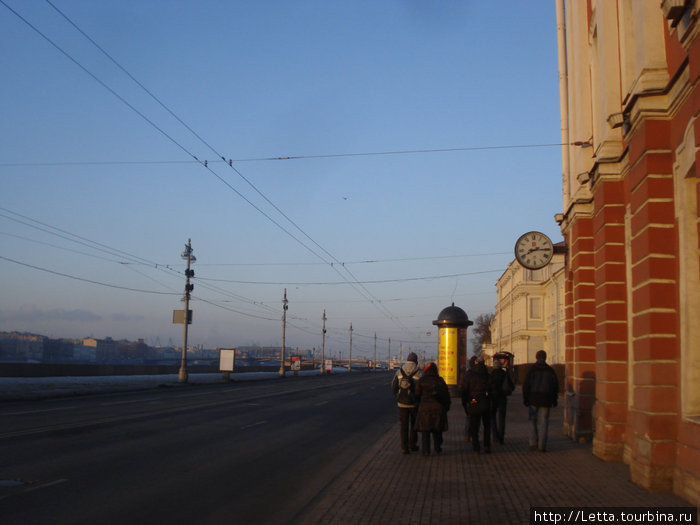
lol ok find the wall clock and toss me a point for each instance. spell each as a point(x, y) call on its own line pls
point(534, 250)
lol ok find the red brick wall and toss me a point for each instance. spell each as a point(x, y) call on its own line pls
point(611, 319)
point(655, 403)
point(581, 330)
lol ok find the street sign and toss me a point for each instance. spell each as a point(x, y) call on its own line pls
point(179, 317)
point(227, 359)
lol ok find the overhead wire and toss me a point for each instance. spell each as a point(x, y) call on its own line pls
point(353, 281)
point(131, 259)
point(367, 261)
point(373, 300)
point(86, 280)
point(282, 157)
point(73, 237)
point(154, 125)
point(333, 283)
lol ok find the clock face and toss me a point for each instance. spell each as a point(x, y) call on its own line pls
point(534, 250)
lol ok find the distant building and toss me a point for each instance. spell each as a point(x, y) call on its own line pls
point(57, 351)
point(106, 350)
point(21, 347)
point(84, 354)
point(530, 313)
point(630, 100)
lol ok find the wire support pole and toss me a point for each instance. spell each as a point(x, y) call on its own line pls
point(285, 305)
point(323, 344)
point(182, 376)
point(388, 356)
point(374, 361)
point(350, 353)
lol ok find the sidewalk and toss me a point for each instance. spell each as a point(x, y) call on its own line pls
point(460, 487)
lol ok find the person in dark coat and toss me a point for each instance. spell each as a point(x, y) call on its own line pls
point(407, 403)
point(477, 404)
point(502, 385)
point(540, 394)
point(433, 403)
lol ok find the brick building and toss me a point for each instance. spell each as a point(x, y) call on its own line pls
point(630, 97)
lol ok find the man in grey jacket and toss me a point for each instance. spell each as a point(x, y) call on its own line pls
point(403, 387)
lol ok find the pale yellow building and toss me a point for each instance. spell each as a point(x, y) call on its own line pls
point(530, 312)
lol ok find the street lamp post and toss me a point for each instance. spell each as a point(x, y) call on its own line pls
point(187, 254)
point(374, 363)
point(285, 304)
point(323, 344)
point(350, 354)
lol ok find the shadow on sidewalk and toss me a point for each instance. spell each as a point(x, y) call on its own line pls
point(459, 486)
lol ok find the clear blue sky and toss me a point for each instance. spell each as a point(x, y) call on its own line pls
point(263, 80)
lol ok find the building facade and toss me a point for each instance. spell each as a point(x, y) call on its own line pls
point(630, 99)
point(530, 313)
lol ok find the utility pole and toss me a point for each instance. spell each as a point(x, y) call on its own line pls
point(284, 329)
point(323, 344)
point(187, 254)
point(374, 361)
point(350, 358)
point(388, 357)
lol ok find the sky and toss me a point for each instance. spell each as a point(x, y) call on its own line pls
point(378, 160)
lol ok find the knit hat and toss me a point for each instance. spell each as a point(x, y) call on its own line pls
point(412, 357)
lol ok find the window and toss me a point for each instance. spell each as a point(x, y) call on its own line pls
point(535, 308)
point(685, 182)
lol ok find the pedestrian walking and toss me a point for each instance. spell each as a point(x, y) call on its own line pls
point(467, 430)
point(477, 404)
point(433, 403)
point(403, 386)
point(540, 394)
point(502, 385)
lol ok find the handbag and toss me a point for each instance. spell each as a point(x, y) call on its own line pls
point(478, 405)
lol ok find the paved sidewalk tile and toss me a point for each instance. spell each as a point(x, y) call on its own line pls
point(460, 487)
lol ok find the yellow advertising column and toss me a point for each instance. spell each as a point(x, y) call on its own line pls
point(452, 326)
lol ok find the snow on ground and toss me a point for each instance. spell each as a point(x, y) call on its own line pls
point(24, 388)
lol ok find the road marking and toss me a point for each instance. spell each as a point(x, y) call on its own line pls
point(26, 412)
point(10, 483)
point(321, 403)
point(45, 485)
point(254, 424)
point(38, 487)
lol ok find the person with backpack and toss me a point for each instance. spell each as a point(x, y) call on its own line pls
point(540, 394)
point(502, 385)
point(434, 401)
point(403, 386)
point(475, 390)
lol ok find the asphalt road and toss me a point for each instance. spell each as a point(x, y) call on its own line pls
point(255, 452)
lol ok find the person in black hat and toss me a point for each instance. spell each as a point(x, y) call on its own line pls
point(477, 404)
point(502, 385)
point(403, 386)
